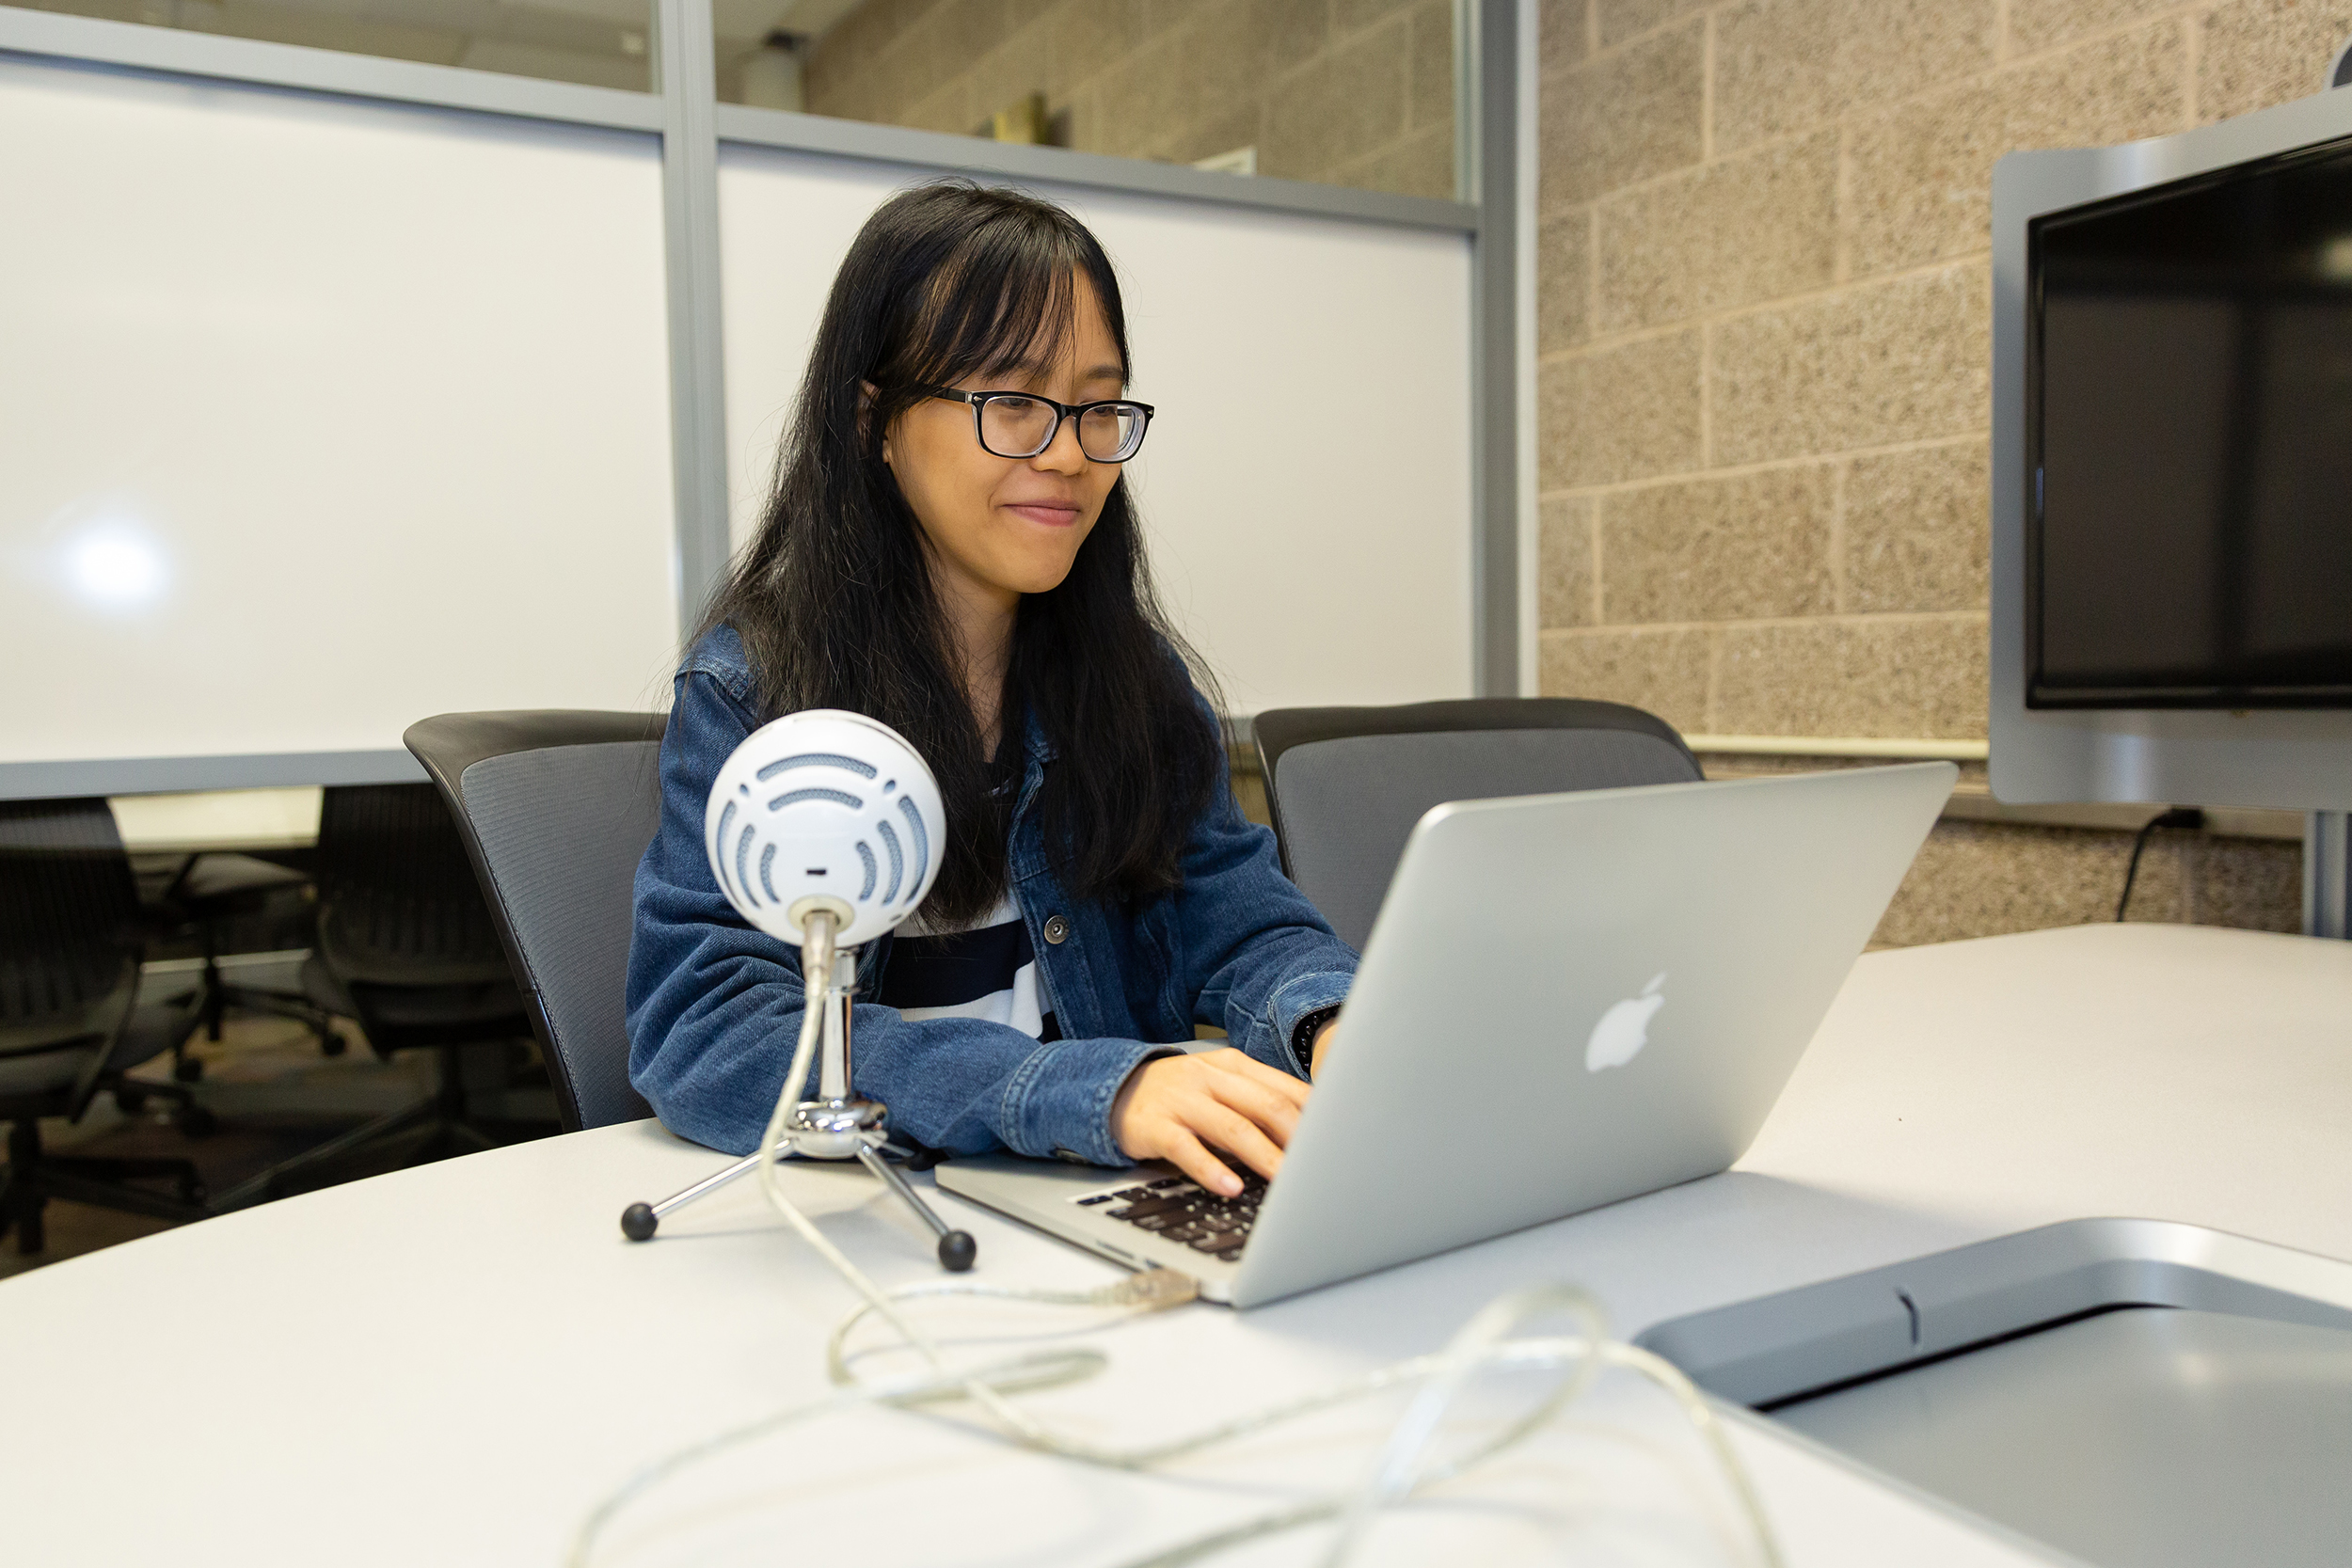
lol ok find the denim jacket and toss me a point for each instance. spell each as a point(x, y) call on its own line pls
point(714, 1007)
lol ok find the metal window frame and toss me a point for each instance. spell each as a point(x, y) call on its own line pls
point(1488, 120)
point(686, 75)
point(1494, 41)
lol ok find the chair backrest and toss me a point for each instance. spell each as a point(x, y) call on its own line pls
point(556, 808)
point(68, 936)
point(1346, 784)
point(398, 901)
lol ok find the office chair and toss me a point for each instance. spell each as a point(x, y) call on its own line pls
point(211, 892)
point(406, 946)
point(70, 1028)
point(1346, 784)
point(555, 809)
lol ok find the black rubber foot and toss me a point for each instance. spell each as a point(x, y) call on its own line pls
point(332, 1045)
point(639, 1221)
point(957, 1251)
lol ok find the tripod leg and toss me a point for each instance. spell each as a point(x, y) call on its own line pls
point(957, 1249)
point(640, 1220)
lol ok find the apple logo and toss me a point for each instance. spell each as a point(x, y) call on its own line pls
point(1624, 1029)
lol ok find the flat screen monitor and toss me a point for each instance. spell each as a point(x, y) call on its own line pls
point(2189, 385)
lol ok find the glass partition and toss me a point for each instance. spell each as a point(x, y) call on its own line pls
point(1344, 92)
point(604, 43)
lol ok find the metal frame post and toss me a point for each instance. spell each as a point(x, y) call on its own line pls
point(1487, 157)
point(686, 68)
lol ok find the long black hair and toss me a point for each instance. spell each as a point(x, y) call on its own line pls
point(834, 601)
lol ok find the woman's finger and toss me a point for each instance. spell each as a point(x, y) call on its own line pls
point(1277, 1114)
point(1236, 1133)
point(1180, 1148)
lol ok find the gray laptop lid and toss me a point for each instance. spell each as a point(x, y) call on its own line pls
point(1475, 1089)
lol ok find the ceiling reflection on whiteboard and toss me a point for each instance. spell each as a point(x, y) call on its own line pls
point(109, 559)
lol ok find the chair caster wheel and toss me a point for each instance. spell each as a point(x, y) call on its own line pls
point(639, 1222)
point(333, 1045)
point(957, 1251)
point(196, 1121)
point(187, 1070)
point(130, 1102)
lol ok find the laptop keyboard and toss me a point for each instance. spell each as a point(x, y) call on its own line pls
point(1179, 1211)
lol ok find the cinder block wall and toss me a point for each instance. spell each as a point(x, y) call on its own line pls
point(1764, 317)
point(1348, 92)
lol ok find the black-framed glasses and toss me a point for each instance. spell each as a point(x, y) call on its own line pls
point(1021, 424)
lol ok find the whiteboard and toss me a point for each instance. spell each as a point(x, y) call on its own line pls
point(1331, 566)
point(320, 417)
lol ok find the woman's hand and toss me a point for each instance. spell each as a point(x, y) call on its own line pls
point(1175, 1107)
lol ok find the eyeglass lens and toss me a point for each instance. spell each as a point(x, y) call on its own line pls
point(1023, 427)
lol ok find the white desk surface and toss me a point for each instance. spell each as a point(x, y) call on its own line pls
point(450, 1364)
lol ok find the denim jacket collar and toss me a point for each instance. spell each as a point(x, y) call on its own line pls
point(1025, 853)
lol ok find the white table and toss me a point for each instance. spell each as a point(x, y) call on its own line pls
point(451, 1364)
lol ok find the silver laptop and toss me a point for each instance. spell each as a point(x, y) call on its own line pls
point(1606, 989)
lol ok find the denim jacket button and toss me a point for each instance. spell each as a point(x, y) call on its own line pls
point(1056, 930)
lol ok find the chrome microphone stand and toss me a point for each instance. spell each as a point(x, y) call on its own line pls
point(836, 1125)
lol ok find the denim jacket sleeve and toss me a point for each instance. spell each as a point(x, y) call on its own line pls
point(1256, 956)
point(714, 1007)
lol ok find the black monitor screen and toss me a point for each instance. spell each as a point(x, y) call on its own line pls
point(2189, 443)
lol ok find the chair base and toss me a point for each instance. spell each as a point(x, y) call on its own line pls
point(281, 1005)
point(33, 1177)
point(191, 1118)
point(237, 887)
point(207, 1010)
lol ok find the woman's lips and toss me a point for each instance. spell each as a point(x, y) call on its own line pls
point(1046, 513)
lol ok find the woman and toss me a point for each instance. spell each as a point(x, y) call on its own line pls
point(968, 569)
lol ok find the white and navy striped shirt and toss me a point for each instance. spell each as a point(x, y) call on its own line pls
point(987, 971)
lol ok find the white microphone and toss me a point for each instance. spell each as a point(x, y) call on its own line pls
point(825, 830)
point(824, 809)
